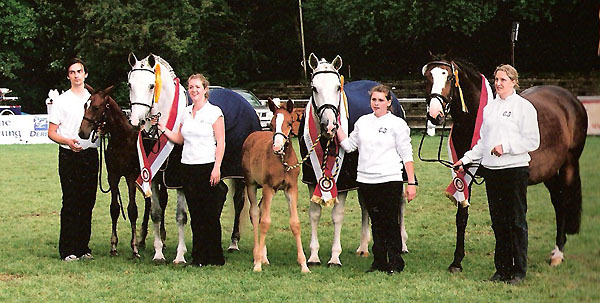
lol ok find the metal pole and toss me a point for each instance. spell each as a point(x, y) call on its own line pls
point(513, 38)
point(302, 35)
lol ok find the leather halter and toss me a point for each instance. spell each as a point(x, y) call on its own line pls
point(446, 101)
point(320, 109)
point(129, 76)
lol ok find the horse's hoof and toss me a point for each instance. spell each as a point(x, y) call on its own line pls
point(453, 269)
point(364, 254)
point(114, 253)
point(305, 270)
point(310, 264)
point(404, 252)
point(135, 256)
point(334, 265)
point(232, 249)
point(179, 263)
point(556, 261)
point(159, 261)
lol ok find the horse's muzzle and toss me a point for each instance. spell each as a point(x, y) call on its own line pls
point(438, 120)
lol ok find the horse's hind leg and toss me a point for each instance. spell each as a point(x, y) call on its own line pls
point(337, 216)
point(292, 197)
point(163, 198)
point(365, 234)
point(403, 233)
point(114, 214)
point(557, 195)
point(181, 218)
point(314, 213)
point(144, 229)
point(238, 204)
point(132, 212)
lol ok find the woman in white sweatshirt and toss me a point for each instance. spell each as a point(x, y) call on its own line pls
point(383, 143)
point(508, 133)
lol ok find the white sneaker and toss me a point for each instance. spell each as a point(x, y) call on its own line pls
point(87, 256)
point(70, 258)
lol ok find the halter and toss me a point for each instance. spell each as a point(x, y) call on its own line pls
point(320, 109)
point(285, 142)
point(140, 103)
point(452, 79)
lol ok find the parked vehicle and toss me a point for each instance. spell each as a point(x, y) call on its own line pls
point(263, 111)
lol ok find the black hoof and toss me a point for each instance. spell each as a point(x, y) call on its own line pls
point(135, 256)
point(114, 253)
point(311, 264)
point(160, 262)
point(230, 250)
point(454, 270)
point(333, 265)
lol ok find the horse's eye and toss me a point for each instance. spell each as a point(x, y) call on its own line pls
point(151, 86)
point(129, 84)
point(339, 88)
point(95, 107)
point(314, 89)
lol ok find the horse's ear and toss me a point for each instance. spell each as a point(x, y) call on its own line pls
point(272, 105)
point(108, 90)
point(431, 55)
point(313, 61)
point(424, 69)
point(132, 59)
point(289, 105)
point(90, 89)
point(337, 62)
point(151, 61)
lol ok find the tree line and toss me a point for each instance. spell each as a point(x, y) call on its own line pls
point(235, 42)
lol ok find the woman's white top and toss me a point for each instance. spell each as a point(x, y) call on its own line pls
point(67, 113)
point(382, 143)
point(511, 122)
point(199, 142)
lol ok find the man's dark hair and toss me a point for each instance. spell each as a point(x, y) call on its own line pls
point(74, 61)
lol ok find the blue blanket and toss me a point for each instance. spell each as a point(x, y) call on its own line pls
point(359, 103)
point(240, 121)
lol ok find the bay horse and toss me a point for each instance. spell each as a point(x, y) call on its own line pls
point(121, 160)
point(562, 123)
point(153, 86)
point(269, 161)
point(325, 107)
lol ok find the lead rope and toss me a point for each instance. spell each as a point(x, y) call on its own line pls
point(288, 167)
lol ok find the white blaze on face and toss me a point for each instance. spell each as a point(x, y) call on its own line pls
point(440, 76)
point(327, 92)
point(278, 141)
point(141, 91)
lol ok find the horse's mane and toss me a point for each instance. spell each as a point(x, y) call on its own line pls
point(162, 62)
point(466, 66)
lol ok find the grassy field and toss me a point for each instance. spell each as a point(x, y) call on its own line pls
point(30, 269)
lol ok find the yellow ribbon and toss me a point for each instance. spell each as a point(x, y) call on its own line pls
point(344, 96)
point(157, 83)
point(462, 99)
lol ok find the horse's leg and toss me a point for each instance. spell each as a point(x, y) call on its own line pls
point(365, 234)
point(337, 216)
point(314, 213)
point(144, 229)
point(163, 198)
point(114, 213)
point(238, 205)
point(181, 218)
point(462, 216)
point(291, 195)
point(132, 212)
point(265, 222)
point(254, 217)
point(157, 218)
point(403, 233)
point(556, 189)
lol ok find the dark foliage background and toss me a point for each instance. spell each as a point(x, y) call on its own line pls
point(237, 42)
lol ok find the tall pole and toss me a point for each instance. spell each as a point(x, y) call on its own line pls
point(513, 38)
point(302, 36)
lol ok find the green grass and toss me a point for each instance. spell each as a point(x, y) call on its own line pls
point(30, 201)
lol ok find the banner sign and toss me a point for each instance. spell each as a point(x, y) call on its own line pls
point(592, 106)
point(24, 129)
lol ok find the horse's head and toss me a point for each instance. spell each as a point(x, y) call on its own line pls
point(281, 123)
point(142, 81)
point(95, 112)
point(440, 77)
point(326, 93)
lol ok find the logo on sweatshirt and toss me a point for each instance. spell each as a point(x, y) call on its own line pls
point(506, 113)
point(383, 130)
